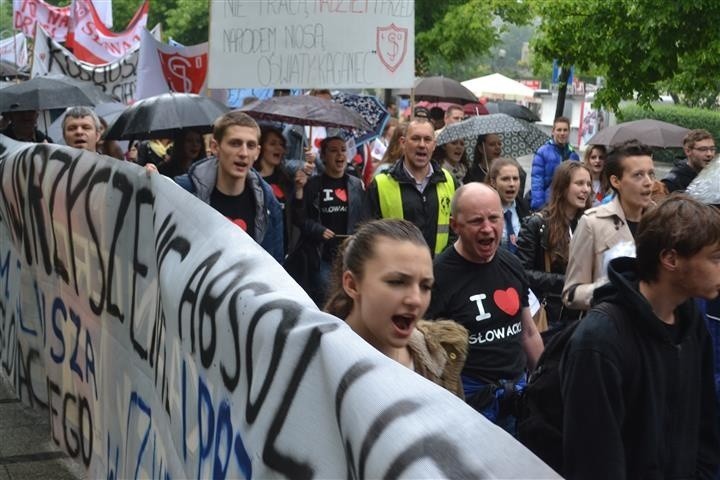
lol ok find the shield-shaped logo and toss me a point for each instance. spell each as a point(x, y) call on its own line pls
point(184, 74)
point(391, 45)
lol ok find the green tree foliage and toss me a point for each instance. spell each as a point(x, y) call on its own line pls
point(184, 20)
point(457, 30)
point(6, 22)
point(642, 47)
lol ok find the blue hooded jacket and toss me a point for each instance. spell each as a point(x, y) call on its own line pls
point(544, 163)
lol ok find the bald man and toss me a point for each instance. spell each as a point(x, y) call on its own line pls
point(484, 288)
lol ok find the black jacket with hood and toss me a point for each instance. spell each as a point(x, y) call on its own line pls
point(679, 176)
point(638, 404)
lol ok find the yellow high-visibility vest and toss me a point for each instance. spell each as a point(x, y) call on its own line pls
point(391, 204)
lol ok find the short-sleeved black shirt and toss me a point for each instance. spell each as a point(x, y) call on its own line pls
point(333, 211)
point(239, 209)
point(488, 300)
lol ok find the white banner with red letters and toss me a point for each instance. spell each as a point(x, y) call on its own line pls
point(163, 342)
point(92, 42)
point(55, 20)
point(167, 68)
point(13, 50)
point(312, 44)
point(118, 79)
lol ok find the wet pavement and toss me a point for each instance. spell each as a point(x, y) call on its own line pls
point(26, 450)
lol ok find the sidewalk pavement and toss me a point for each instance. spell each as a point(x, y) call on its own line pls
point(26, 450)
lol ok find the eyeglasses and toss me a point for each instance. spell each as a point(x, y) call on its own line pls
point(705, 149)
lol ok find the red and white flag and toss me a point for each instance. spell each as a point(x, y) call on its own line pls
point(93, 42)
point(168, 68)
point(55, 20)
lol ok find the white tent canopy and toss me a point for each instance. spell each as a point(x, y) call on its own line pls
point(497, 85)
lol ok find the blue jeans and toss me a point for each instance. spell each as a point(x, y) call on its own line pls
point(495, 401)
point(320, 281)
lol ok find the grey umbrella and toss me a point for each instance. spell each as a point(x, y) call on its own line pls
point(652, 133)
point(163, 116)
point(443, 89)
point(306, 110)
point(47, 92)
point(513, 109)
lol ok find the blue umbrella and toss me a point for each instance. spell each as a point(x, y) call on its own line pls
point(370, 109)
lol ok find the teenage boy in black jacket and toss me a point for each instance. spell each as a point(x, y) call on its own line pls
point(637, 386)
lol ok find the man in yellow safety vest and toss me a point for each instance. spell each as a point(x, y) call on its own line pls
point(415, 188)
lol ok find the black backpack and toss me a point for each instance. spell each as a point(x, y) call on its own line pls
point(540, 410)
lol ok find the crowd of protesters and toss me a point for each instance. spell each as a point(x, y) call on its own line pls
point(439, 260)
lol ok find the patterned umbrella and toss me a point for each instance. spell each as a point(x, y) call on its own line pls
point(370, 109)
point(480, 125)
point(519, 144)
point(519, 137)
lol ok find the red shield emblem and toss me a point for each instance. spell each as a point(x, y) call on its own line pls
point(391, 45)
point(184, 74)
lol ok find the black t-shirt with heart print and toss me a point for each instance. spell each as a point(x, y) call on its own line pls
point(239, 209)
point(488, 300)
point(333, 211)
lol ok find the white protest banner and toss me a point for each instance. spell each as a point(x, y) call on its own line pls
point(55, 20)
point(14, 50)
point(167, 68)
point(92, 42)
point(117, 79)
point(312, 44)
point(165, 343)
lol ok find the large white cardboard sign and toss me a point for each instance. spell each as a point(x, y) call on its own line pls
point(164, 343)
point(312, 44)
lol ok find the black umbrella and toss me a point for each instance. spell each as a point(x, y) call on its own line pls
point(10, 70)
point(48, 92)
point(306, 110)
point(163, 116)
point(443, 89)
point(513, 109)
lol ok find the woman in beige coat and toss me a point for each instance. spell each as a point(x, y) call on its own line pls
point(631, 173)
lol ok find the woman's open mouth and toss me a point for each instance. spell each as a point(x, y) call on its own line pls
point(404, 324)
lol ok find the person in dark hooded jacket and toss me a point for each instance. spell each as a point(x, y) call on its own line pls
point(699, 148)
point(637, 384)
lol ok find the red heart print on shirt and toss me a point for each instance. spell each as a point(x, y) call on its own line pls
point(507, 300)
point(318, 141)
point(341, 194)
point(240, 223)
point(277, 191)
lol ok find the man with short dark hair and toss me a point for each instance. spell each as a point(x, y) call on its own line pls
point(485, 289)
point(546, 160)
point(699, 148)
point(23, 127)
point(81, 128)
point(229, 184)
point(415, 188)
point(601, 230)
point(637, 388)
